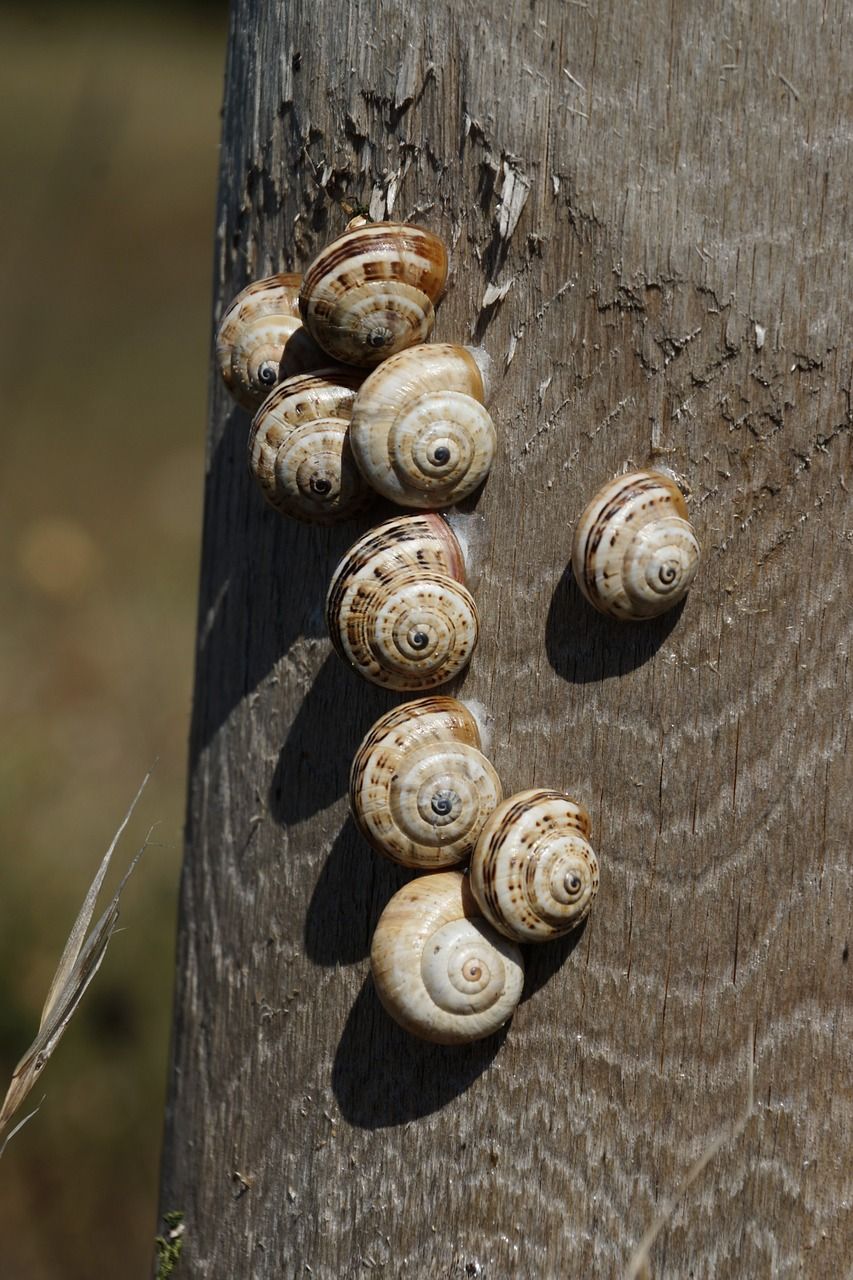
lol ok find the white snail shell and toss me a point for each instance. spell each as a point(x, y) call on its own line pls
point(261, 340)
point(420, 787)
point(420, 432)
point(440, 970)
point(534, 873)
point(373, 291)
point(397, 608)
point(299, 450)
point(634, 553)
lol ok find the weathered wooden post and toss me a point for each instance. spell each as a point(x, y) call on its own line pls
point(646, 207)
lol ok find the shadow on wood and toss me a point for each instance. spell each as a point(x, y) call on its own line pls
point(543, 960)
point(351, 892)
point(382, 1076)
point(263, 590)
point(313, 767)
point(584, 645)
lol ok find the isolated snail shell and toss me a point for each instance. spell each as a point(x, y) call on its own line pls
point(420, 787)
point(420, 432)
point(634, 553)
point(440, 970)
point(261, 340)
point(299, 450)
point(397, 608)
point(534, 873)
point(372, 291)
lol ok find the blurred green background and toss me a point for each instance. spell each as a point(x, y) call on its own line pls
point(108, 157)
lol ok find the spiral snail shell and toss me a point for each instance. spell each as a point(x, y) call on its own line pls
point(634, 553)
point(372, 291)
point(439, 969)
point(299, 449)
point(420, 432)
point(420, 787)
point(397, 608)
point(261, 340)
point(534, 873)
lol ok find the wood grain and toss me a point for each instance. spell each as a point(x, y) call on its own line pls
point(647, 208)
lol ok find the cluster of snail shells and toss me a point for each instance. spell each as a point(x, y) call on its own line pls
point(423, 794)
point(395, 415)
point(368, 294)
point(418, 430)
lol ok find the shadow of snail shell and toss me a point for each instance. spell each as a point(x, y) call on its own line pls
point(439, 969)
point(420, 432)
point(634, 553)
point(534, 873)
point(420, 787)
point(372, 291)
point(261, 340)
point(299, 449)
point(397, 608)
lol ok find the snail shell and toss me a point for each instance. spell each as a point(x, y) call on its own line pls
point(440, 970)
point(299, 449)
point(420, 433)
point(372, 291)
point(420, 788)
point(397, 608)
point(634, 553)
point(534, 873)
point(261, 340)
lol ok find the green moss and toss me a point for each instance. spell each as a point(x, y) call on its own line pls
point(170, 1245)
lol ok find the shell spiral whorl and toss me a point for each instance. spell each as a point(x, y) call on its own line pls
point(420, 788)
point(420, 432)
point(260, 339)
point(534, 873)
point(372, 291)
point(634, 553)
point(439, 969)
point(397, 608)
point(299, 448)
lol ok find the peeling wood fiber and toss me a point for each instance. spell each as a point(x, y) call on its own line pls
point(648, 214)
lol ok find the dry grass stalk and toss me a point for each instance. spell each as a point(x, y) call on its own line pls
point(80, 961)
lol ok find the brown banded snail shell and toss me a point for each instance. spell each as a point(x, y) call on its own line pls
point(261, 340)
point(372, 291)
point(420, 432)
point(420, 787)
point(634, 553)
point(397, 608)
point(534, 873)
point(299, 449)
point(439, 969)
